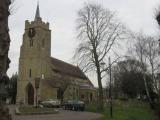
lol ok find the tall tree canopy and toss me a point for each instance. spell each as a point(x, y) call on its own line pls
point(145, 50)
point(98, 32)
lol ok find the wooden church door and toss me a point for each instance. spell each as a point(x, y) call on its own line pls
point(30, 93)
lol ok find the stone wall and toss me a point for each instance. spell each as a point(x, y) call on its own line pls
point(34, 60)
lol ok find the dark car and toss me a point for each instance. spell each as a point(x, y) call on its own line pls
point(74, 105)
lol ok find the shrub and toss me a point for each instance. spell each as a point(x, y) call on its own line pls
point(123, 98)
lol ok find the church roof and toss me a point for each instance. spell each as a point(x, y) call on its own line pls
point(66, 68)
point(57, 84)
point(37, 16)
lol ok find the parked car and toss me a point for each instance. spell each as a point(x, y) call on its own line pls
point(55, 103)
point(50, 103)
point(45, 104)
point(74, 105)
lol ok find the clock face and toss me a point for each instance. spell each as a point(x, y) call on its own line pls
point(31, 32)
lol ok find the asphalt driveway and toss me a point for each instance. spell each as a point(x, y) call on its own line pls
point(62, 115)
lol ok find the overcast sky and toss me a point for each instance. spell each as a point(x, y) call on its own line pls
point(138, 15)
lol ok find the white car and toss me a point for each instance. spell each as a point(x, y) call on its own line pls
point(54, 103)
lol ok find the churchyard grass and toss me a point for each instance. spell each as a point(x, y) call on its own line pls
point(125, 110)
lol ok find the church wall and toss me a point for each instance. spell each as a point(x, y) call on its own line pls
point(77, 91)
point(72, 93)
point(47, 92)
point(22, 91)
point(88, 95)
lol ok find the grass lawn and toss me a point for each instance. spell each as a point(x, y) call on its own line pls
point(126, 111)
point(32, 110)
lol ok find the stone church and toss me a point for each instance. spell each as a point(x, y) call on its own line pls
point(43, 77)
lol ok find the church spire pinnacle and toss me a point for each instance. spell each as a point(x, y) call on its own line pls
point(37, 16)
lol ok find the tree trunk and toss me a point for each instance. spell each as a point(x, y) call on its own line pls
point(147, 92)
point(100, 90)
point(4, 48)
point(145, 81)
point(154, 79)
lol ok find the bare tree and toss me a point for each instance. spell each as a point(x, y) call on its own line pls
point(151, 53)
point(98, 33)
point(143, 49)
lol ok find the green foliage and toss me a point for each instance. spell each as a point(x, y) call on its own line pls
point(129, 79)
point(123, 98)
point(12, 88)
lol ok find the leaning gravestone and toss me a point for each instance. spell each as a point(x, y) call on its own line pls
point(4, 60)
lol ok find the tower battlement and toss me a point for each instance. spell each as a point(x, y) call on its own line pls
point(38, 23)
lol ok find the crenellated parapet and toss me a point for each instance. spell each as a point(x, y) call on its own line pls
point(35, 24)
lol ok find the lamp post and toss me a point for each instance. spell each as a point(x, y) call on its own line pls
point(110, 88)
point(110, 80)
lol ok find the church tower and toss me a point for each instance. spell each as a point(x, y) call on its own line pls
point(35, 55)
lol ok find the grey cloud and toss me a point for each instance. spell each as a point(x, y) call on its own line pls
point(61, 14)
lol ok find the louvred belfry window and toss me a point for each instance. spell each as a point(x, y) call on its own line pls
point(30, 73)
